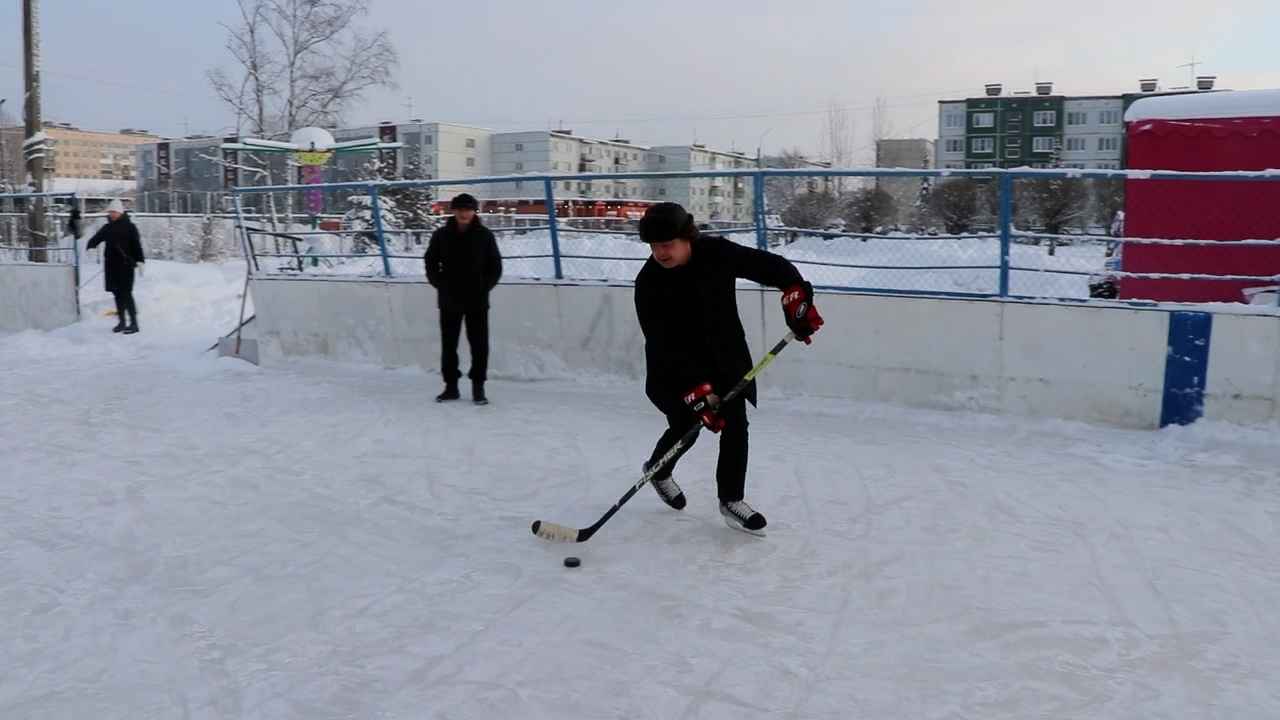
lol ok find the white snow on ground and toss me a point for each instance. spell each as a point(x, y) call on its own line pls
point(890, 262)
point(183, 536)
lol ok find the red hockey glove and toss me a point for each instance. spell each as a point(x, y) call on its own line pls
point(703, 401)
point(802, 317)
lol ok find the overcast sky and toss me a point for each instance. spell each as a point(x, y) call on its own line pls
point(724, 72)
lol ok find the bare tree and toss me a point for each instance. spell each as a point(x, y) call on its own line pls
point(837, 141)
point(881, 126)
point(300, 62)
point(779, 192)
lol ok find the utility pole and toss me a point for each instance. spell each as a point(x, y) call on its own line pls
point(4, 158)
point(34, 152)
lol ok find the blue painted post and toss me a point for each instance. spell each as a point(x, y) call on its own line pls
point(762, 234)
point(549, 189)
point(1006, 230)
point(377, 228)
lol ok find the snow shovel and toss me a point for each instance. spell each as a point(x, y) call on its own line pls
point(244, 349)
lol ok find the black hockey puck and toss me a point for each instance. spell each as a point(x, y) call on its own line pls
point(572, 562)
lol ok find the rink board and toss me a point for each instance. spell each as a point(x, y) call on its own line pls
point(1117, 365)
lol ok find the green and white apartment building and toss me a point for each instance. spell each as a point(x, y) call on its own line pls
point(1039, 129)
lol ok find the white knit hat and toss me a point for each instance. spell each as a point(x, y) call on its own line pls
point(115, 206)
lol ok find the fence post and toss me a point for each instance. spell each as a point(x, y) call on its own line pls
point(1006, 230)
point(75, 252)
point(757, 185)
point(377, 228)
point(549, 188)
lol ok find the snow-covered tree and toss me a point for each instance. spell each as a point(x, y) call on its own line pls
point(867, 209)
point(955, 204)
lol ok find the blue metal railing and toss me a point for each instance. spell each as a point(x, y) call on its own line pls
point(998, 244)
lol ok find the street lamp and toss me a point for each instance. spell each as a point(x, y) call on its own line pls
point(759, 145)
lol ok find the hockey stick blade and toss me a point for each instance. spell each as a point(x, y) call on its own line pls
point(556, 533)
point(561, 533)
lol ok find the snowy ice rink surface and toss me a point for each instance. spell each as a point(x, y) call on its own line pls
point(188, 537)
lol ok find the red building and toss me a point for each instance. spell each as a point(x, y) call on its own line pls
point(1208, 132)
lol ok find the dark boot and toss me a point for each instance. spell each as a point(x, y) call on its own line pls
point(450, 392)
point(477, 393)
point(120, 326)
point(133, 322)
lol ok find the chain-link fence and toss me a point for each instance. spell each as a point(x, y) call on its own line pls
point(34, 228)
point(963, 233)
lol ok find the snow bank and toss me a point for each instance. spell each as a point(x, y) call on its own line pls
point(964, 264)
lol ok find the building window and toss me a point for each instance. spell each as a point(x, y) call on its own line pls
point(1043, 144)
point(1045, 118)
point(982, 166)
point(1013, 142)
point(1109, 117)
point(1108, 144)
point(519, 184)
point(1077, 118)
point(1108, 166)
point(519, 166)
point(471, 142)
point(471, 162)
point(984, 119)
point(568, 186)
point(428, 139)
point(953, 120)
point(519, 147)
point(1076, 144)
point(1074, 166)
point(662, 192)
point(953, 145)
point(1013, 154)
point(983, 145)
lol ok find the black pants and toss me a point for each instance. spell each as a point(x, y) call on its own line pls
point(731, 469)
point(476, 318)
point(124, 303)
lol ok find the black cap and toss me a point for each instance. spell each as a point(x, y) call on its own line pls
point(667, 221)
point(464, 201)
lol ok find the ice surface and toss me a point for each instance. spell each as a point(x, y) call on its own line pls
point(183, 536)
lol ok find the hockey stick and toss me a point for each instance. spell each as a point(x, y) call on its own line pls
point(561, 533)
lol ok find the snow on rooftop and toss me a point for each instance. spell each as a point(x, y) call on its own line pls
point(1205, 106)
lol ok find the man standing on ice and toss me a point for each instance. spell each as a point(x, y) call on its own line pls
point(696, 349)
point(123, 253)
point(464, 265)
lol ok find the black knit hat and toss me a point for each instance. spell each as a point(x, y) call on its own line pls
point(464, 201)
point(667, 221)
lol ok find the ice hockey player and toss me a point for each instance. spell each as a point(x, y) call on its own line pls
point(464, 265)
point(695, 347)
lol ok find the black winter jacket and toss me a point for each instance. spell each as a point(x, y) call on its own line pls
point(463, 266)
point(689, 317)
point(122, 253)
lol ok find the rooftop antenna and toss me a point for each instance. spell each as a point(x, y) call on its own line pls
point(1192, 65)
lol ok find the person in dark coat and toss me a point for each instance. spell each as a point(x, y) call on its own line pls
point(122, 254)
point(464, 265)
point(696, 349)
